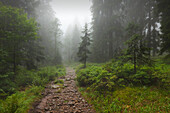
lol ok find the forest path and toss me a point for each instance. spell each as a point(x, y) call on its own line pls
point(63, 99)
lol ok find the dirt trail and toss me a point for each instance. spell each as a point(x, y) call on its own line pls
point(64, 99)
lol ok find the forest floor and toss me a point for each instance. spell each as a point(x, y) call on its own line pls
point(63, 98)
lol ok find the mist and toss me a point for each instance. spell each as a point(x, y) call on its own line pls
point(71, 11)
point(84, 56)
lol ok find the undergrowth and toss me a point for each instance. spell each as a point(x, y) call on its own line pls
point(26, 88)
point(20, 102)
point(25, 77)
point(129, 100)
point(115, 88)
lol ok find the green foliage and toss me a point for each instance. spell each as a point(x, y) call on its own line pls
point(17, 32)
point(110, 87)
point(129, 100)
point(26, 77)
point(3, 62)
point(20, 102)
point(6, 85)
point(87, 77)
point(83, 49)
point(108, 28)
point(40, 77)
point(61, 71)
point(137, 52)
point(105, 81)
point(59, 81)
point(117, 74)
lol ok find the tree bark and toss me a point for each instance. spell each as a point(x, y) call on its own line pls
point(135, 60)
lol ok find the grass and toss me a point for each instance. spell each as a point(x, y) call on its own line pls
point(59, 81)
point(129, 100)
point(20, 102)
point(29, 84)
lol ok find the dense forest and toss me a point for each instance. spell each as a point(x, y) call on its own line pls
point(121, 57)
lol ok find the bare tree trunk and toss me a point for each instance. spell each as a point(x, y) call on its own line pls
point(149, 29)
point(14, 60)
point(85, 57)
point(135, 61)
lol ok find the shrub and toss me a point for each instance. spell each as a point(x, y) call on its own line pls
point(87, 77)
point(38, 78)
point(7, 86)
point(20, 102)
point(105, 81)
point(24, 77)
point(118, 74)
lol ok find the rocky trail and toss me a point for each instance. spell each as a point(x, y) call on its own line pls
point(63, 98)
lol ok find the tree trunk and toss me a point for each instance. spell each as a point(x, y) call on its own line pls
point(110, 46)
point(135, 61)
point(149, 29)
point(85, 55)
point(14, 60)
point(85, 63)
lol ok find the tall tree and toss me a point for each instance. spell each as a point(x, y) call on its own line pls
point(15, 30)
point(75, 42)
point(146, 19)
point(67, 46)
point(49, 33)
point(164, 13)
point(110, 17)
point(137, 52)
point(39, 50)
point(55, 29)
point(107, 28)
point(83, 49)
point(29, 6)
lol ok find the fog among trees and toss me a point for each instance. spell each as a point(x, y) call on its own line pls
point(106, 49)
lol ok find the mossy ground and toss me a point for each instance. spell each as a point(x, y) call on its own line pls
point(124, 97)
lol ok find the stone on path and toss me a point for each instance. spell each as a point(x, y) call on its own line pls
point(63, 99)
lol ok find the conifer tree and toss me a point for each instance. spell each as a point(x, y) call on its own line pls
point(16, 30)
point(137, 51)
point(164, 12)
point(83, 49)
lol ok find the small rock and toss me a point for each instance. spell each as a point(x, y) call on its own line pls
point(65, 111)
point(55, 86)
point(78, 111)
point(56, 97)
point(68, 79)
point(51, 104)
point(71, 103)
point(50, 108)
point(46, 108)
point(83, 100)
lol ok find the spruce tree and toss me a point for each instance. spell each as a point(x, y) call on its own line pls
point(16, 32)
point(164, 12)
point(137, 52)
point(83, 49)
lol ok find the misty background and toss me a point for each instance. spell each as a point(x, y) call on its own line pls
point(72, 15)
point(72, 11)
point(123, 49)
